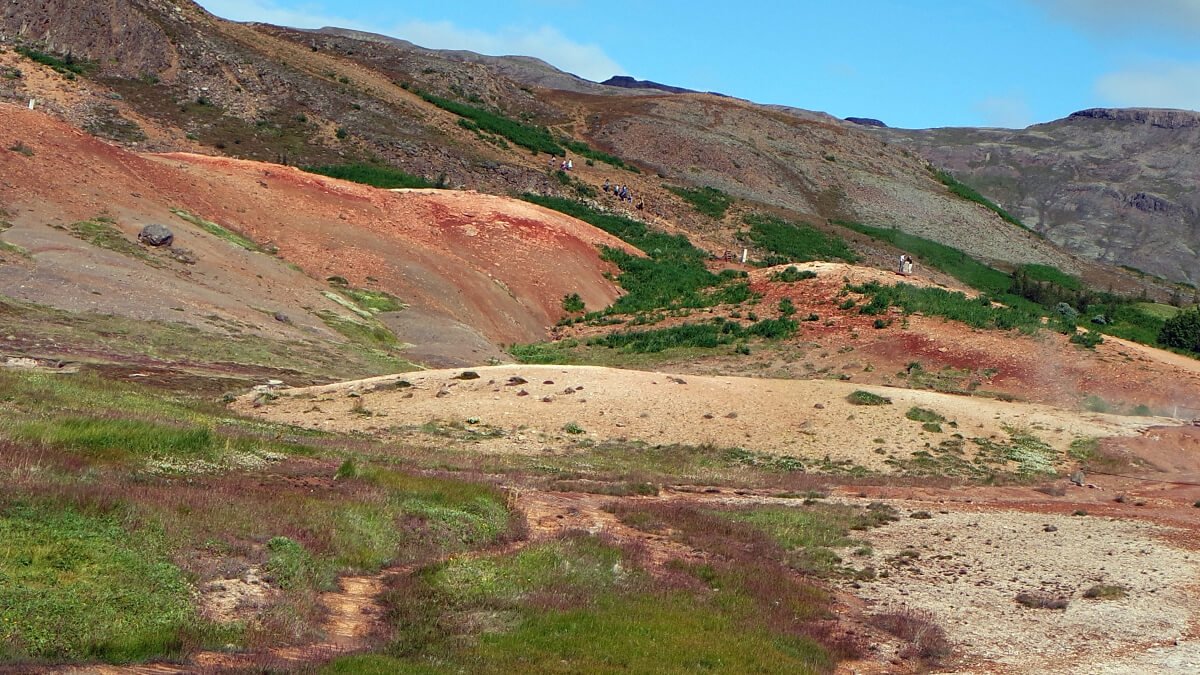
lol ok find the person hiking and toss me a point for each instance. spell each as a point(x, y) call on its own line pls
point(903, 261)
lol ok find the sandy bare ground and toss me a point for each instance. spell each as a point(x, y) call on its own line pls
point(966, 565)
point(803, 418)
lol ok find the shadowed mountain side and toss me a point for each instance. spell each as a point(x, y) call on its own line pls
point(1113, 185)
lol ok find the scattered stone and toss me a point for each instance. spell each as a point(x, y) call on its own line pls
point(1049, 528)
point(282, 318)
point(20, 362)
point(522, 393)
point(156, 235)
point(515, 380)
point(1078, 478)
point(732, 416)
point(443, 392)
point(183, 255)
point(569, 390)
point(467, 375)
point(921, 515)
point(676, 380)
point(472, 420)
point(819, 406)
point(547, 399)
point(548, 382)
point(579, 388)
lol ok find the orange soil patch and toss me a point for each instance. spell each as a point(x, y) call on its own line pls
point(496, 264)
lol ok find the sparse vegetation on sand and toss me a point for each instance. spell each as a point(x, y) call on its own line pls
point(860, 397)
point(706, 335)
point(219, 232)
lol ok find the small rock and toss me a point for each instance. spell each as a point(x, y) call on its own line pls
point(548, 382)
point(732, 416)
point(921, 515)
point(282, 318)
point(1078, 478)
point(819, 406)
point(708, 416)
point(1049, 528)
point(522, 393)
point(569, 390)
point(515, 380)
point(442, 393)
point(547, 399)
point(467, 375)
point(156, 235)
point(677, 380)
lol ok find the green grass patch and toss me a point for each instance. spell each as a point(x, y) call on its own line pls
point(812, 534)
point(585, 150)
point(708, 201)
point(534, 138)
point(672, 274)
point(374, 302)
point(80, 586)
point(103, 233)
point(1051, 275)
point(65, 65)
point(953, 305)
point(940, 257)
point(218, 231)
point(924, 415)
point(791, 274)
point(703, 335)
point(860, 397)
point(794, 242)
point(375, 175)
point(1156, 310)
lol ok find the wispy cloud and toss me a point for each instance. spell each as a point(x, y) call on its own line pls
point(1181, 17)
point(544, 42)
point(1010, 112)
point(1162, 85)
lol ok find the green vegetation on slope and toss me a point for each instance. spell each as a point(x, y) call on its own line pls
point(385, 177)
point(979, 313)
point(704, 335)
point(970, 194)
point(219, 232)
point(706, 200)
point(940, 257)
point(536, 139)
point(795, 242)
point(673, 273)
point(585, 150)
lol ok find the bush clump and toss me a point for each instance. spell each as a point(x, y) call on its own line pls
point(860, 397)
point(794, 242)
point(706, 200)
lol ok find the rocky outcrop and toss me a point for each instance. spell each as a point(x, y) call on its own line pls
point(866, 122)
point(1155, 117)
point(627, 82)
point(1116, 185)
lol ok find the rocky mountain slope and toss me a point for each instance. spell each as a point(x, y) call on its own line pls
point(173, 77)
point(1111, 185)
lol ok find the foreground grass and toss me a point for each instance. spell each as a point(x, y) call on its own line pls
point(577, 604)
point(77, 585)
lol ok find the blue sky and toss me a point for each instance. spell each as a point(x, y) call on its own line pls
point(910, 63)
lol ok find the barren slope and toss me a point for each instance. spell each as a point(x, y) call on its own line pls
point(496, 266)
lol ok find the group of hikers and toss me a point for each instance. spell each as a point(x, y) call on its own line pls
point(620, 192)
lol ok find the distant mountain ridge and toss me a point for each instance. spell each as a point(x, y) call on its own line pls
point(1113, 184)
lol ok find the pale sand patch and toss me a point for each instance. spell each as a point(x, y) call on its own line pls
point(803, 418)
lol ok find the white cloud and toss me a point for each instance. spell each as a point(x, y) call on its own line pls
point(1164, 85)
point(266, 11)
point(1009, 112)
point(543, 42)
point(1125, 16)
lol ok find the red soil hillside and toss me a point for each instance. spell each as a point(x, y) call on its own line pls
point(497, 265)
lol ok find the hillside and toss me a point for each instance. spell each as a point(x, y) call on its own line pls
point(1107, 184)
point(185, 80)
point(262, 240)
point(407, 393)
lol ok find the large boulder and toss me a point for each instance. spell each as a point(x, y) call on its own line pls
point(156, 235)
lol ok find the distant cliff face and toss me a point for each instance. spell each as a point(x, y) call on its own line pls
point(1116, 185)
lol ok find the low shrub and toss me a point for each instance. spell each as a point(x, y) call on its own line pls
point(792, 274)
point(375, 175)
point(794, 242)
point(706, 200)
point(860, 397)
